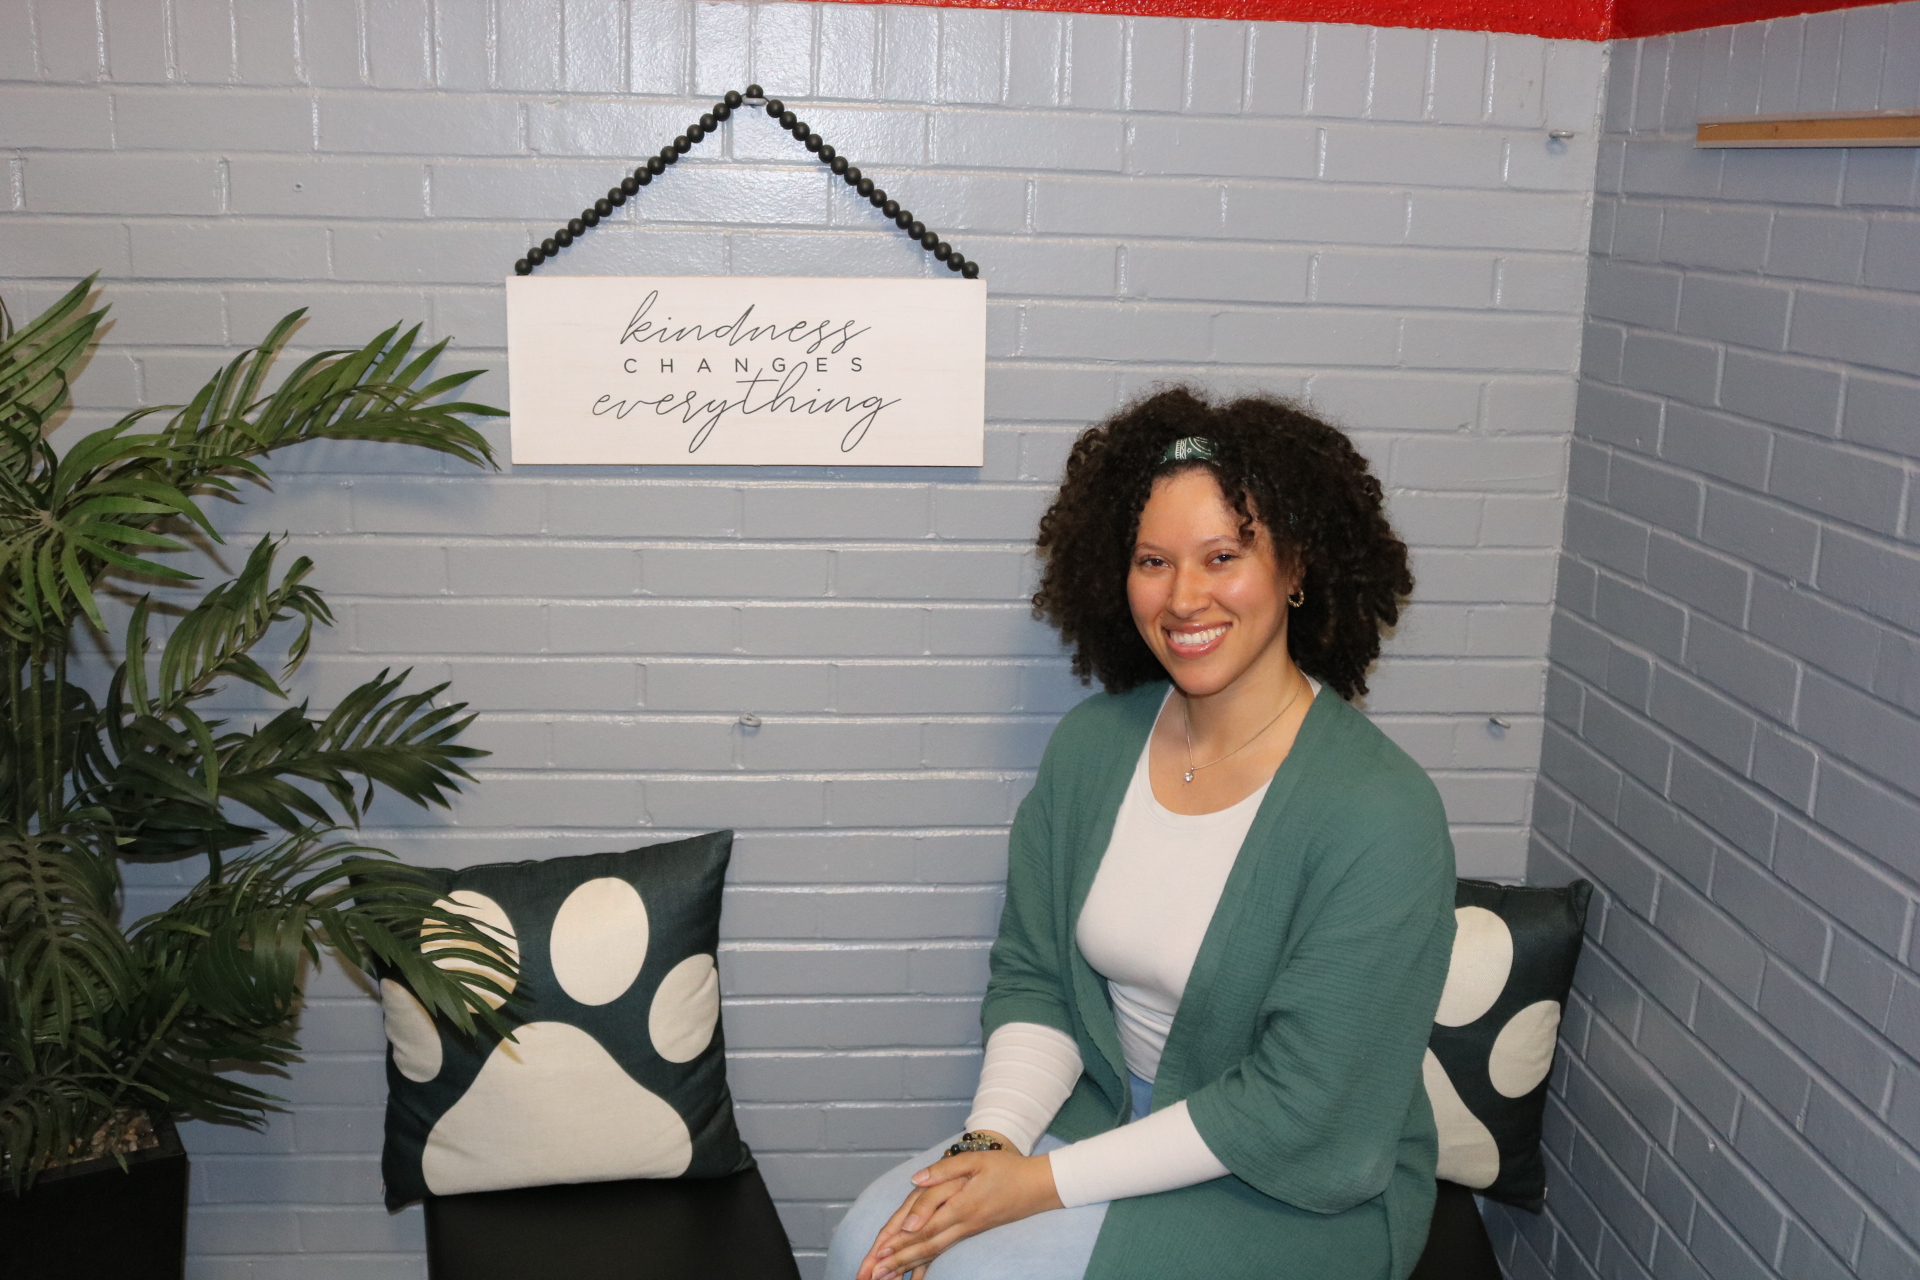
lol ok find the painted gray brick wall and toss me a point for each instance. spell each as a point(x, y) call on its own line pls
point(1371, 219)
point(1733, 713)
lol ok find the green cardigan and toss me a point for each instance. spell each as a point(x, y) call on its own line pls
point(1298, 1044)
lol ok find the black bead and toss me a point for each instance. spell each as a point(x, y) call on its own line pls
point(721, 110)
point(733, 98)
point(930, 241)
point(863, 185)
point(787, 118)
point(971, 270)
point(889, 207)
point(550, 246)
point(915, 228)
point(627, 187)
point(655, 165)
point(602, 207)
point(668, 155)
point(682, 145)
point(813, 142)
point(589, 218)
point(576, 226)
point(840, 166)
point(695, 133)
point(956, 262)
point(942, 250)
point(521, 267)
point(708, 121)
point(563, 237)
point(536, 255)
point(753, 91)
point(775, 107)
point(827, 152)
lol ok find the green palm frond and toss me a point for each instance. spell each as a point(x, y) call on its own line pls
point(224, 962)
point(176, 772)
point(65, 521)
point(62, 956)
point(374, 393)
point(76, 517)
point(37, 363)
point(213, 638)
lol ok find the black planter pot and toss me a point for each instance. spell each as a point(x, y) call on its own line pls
point(97, 1221)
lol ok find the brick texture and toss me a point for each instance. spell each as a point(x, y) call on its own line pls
point(1733, 730)
point(1375, 221)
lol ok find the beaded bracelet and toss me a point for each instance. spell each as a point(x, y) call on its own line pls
point(973, 1140)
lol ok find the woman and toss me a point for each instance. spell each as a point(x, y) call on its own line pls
point(1229, 896)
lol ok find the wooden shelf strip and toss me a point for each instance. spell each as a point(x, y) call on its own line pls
point(1831, 129)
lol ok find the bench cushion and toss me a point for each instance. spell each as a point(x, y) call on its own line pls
point(712, 1228)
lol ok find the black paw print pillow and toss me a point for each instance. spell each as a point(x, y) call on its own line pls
point(616, 1068)
point(1491, 1050)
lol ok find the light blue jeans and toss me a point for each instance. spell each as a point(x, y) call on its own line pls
point(1048, 1246)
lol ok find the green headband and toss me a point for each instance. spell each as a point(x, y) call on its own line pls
point(1190, 449)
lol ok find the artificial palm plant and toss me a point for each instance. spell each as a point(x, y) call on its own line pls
point(101, 1017)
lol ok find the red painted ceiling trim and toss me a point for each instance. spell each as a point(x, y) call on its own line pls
point(1566, 19)
point(1559, 19)
point(1658, 17)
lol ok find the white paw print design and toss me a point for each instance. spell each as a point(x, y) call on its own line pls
point(553, 1105)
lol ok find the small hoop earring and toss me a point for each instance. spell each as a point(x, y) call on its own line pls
point(1298, 598)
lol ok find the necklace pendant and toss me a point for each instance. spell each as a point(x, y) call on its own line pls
point(1189, 777)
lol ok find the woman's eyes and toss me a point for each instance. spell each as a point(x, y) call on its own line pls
point(1155, 562)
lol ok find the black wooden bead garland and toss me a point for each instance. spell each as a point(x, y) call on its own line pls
point(710, 123)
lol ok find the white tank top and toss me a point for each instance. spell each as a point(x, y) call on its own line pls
point(1150, 904)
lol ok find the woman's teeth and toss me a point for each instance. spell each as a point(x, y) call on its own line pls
point(1195, 639)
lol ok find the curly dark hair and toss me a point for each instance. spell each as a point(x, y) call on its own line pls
point(1276, 464)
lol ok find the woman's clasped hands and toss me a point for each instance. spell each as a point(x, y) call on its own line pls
point(954, 1198)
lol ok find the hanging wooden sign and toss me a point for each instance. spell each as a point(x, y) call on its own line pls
point(747, 370)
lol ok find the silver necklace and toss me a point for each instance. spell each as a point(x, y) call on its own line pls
point(1186, 726)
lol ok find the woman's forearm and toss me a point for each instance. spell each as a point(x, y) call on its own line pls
point(1027, 1074)
point(1161, 1152)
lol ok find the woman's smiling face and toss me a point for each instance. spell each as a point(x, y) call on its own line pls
point(1210, 604)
